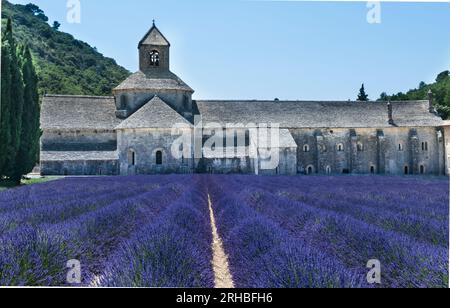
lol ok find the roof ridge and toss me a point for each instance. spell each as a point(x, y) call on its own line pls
point(78, 96)
point(154, 27)
point(141, 80)
point(149, 104)
point(303, 101)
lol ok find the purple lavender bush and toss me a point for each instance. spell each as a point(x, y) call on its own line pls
point(89, 236)
point(277, 231)
point(263, 255)
point(174, 251)
point(408, 259)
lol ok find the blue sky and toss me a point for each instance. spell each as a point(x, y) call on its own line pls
point(228, 49)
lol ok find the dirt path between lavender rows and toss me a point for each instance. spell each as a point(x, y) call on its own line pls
point(222, 274)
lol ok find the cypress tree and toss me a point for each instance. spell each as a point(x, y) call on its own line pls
point(29, 140)
point(5, 105)
point(362, 96)
point(15, 100)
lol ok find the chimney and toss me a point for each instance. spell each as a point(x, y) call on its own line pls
point(430, 101)
point(390, 113)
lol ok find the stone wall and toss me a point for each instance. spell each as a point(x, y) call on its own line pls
point(145, 143)
point(79, 140)
point(393, 150)
point(131, 101)
point(144, 57)
point(446, 133)
point(76, 168)
point(390, 151)
point(287, 163)
point(237, 165)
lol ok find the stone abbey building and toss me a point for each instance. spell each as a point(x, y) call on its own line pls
point(131, 132)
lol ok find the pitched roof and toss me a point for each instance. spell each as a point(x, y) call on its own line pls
point(154, 37)
point(319, 114)
point(78, 156)
point(153, 80)
point(154, 114)
point(78, 112)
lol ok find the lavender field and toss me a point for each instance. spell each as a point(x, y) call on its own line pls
point(282, 232)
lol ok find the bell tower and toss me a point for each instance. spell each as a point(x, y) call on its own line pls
point(154, 51)
point(154, 78)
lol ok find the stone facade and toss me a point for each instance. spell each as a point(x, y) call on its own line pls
point(145, 143)
point(132, 132)
point(392, 151)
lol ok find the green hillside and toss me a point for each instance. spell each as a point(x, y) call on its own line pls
point(64, 64)
point(440, 89)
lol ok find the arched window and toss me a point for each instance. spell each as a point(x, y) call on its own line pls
point(309, 170)
point(400, 147)
point(360, 147)
point(154, 58)
point(422, 169)
point(131, 158)
point(340, 147)
point(159, 157)
point(306, 148)
point(406, 170)
point(328, 170)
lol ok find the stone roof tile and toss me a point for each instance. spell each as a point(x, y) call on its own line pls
point(78, 112)
point(153, 80)
point(78, 156)
point(154, 114)
point(154, 37)
point(318, 114)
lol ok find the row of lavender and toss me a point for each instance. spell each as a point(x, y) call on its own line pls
point(97, 221)
point(293, 232)
point(262, 254)
point(173, 251)
point(416, 208)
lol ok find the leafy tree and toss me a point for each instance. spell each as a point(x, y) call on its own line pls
point(63, 64)
point(442, 76)
point(36, 11)
point(441, 94)
point(362, 96)
point(384, 97)
point(56, 25)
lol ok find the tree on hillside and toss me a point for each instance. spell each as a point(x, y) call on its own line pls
point(64, 65)
point(36, 11)
point(384, 97)
point(27, 155)
point(441, 94)
point(442, 76)
point(362, 96)
point(56, 25)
